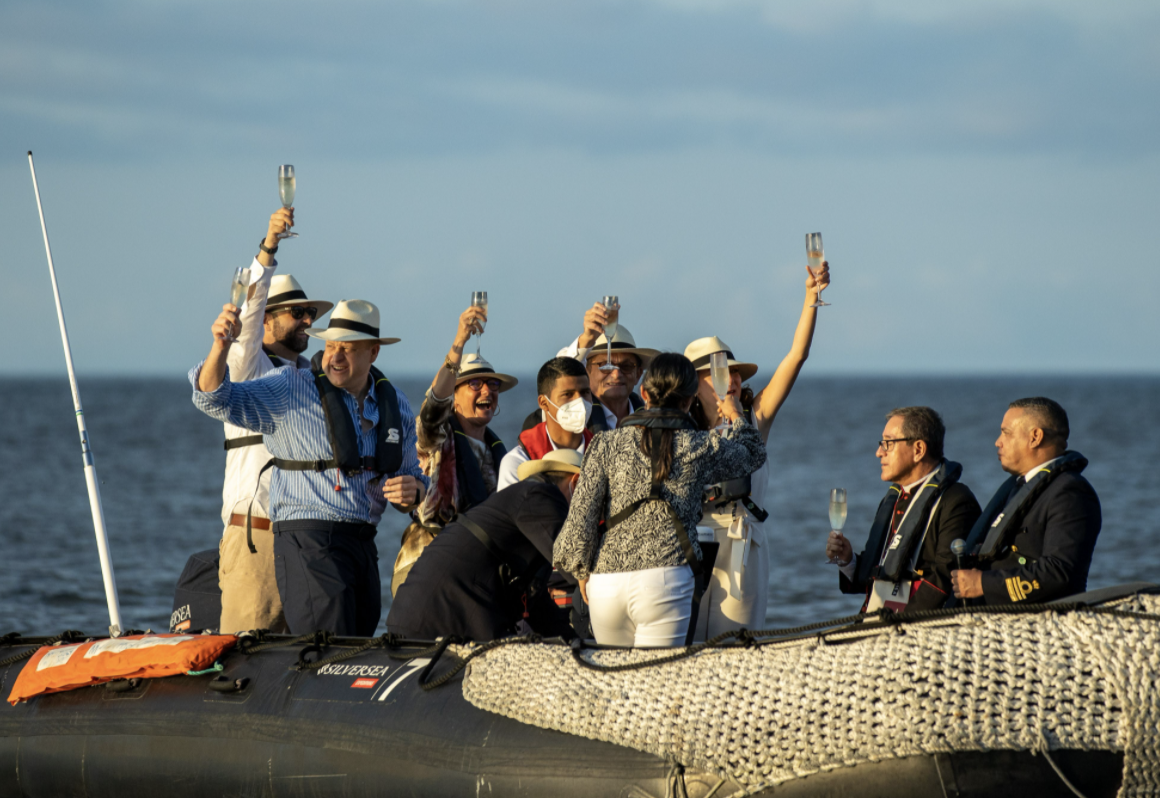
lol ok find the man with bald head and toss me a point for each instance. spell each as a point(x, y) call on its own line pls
point(1034, 541)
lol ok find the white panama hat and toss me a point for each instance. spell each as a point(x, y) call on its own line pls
point(699, 352)
point(475, 367)
point(623, 343)
point(284, 291)
point(353, 320)
point(568, 460)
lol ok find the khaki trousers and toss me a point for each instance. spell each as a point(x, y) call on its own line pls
point(250, 597)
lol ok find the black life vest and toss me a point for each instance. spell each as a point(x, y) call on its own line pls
point(656, 421)
point(388, 456)
point(242, 441)
point(1008, 507)
point(736, 490)
point(897, 565)
point(472, 490)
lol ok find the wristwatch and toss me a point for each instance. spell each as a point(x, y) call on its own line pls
point(262, 246)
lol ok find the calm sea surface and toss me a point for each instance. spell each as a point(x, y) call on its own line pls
point(160, 462)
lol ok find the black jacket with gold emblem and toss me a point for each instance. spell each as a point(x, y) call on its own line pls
point(1049, 556)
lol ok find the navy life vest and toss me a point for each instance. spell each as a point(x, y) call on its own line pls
point(897, 565)
point(1006, 510)
point(472, 490)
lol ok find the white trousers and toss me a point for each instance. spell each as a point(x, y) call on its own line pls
point(720, 612)
point(641, 608)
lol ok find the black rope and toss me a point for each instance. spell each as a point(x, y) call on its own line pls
point(486, 647)
point(387, 640)
point(67, 636)
point(319, 638)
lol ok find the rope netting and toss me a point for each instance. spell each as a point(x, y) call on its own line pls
point(765, 714)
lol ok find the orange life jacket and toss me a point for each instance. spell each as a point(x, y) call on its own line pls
point(54, 669)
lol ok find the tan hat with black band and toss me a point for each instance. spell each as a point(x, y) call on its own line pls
point(353, 320)
point(474, 367)
point(568, 460)
point(700, 350)
point(285, 291)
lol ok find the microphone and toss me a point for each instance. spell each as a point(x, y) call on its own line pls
point(958, 548)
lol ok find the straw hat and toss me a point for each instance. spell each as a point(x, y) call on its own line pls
point(699, 352)
point(353, 320)
point(473, 366)
point(557, 460)
point(284, 291)
point(623, 343)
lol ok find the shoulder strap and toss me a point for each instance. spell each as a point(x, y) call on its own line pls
point(519, 569)
point(908, 537)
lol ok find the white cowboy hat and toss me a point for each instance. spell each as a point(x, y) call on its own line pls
point(353, 320)
point(568, 460)
point(475, 367)
point(284, 291)
point(623, 343)
point(699, 352)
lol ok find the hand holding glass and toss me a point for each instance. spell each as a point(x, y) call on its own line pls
point(238, 287)
point(837, 516)
point(286, 188)
point(479, 300)
point(815, 257)
point(612, 309)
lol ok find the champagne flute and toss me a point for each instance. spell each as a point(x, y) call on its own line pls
point(238, 287)
point(815, 257)
point(837, 516)
point(479, 300)
point(286, 188)
point(612, 306)
point(719, 373)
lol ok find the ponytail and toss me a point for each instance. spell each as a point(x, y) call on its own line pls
point(671, 380)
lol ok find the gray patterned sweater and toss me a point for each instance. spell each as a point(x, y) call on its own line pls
point(616, 473)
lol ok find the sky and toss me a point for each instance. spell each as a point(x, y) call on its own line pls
point(985, 175)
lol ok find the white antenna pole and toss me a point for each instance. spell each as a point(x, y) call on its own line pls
point(86, 452)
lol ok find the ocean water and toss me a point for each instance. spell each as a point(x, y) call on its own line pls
point(160, 464)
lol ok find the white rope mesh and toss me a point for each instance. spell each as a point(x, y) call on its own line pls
point(766, 715)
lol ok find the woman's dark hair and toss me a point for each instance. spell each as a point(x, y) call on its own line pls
point(671, 380)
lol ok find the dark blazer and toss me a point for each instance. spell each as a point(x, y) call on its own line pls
point(455, 588)
point(956, 514)
point(1050, 555)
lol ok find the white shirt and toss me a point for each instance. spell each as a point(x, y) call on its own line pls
point(1027, 477)
point(510, 465)
point(247, 361)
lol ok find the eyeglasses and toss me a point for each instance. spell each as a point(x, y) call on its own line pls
point(626, 366)
point(888, 444)
point(298, 312)
point(478, 383)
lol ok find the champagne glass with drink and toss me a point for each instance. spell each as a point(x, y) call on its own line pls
point(238, 287)
point(286, 188)
point(612, 308)
point(815, 257)
point(479, 300)
point(719, 373)
point(837, 516)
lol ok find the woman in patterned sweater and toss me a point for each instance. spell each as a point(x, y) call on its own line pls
point(636, 579)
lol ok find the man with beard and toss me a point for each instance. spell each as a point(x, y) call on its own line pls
point(461, 453)
point(246, 562)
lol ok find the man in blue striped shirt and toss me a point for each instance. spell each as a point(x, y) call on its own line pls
point(343, 442)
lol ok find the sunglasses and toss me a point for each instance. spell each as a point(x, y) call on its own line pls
point(298, 313)
point(477, 384)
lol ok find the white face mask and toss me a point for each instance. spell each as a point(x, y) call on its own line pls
point(573, 415)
